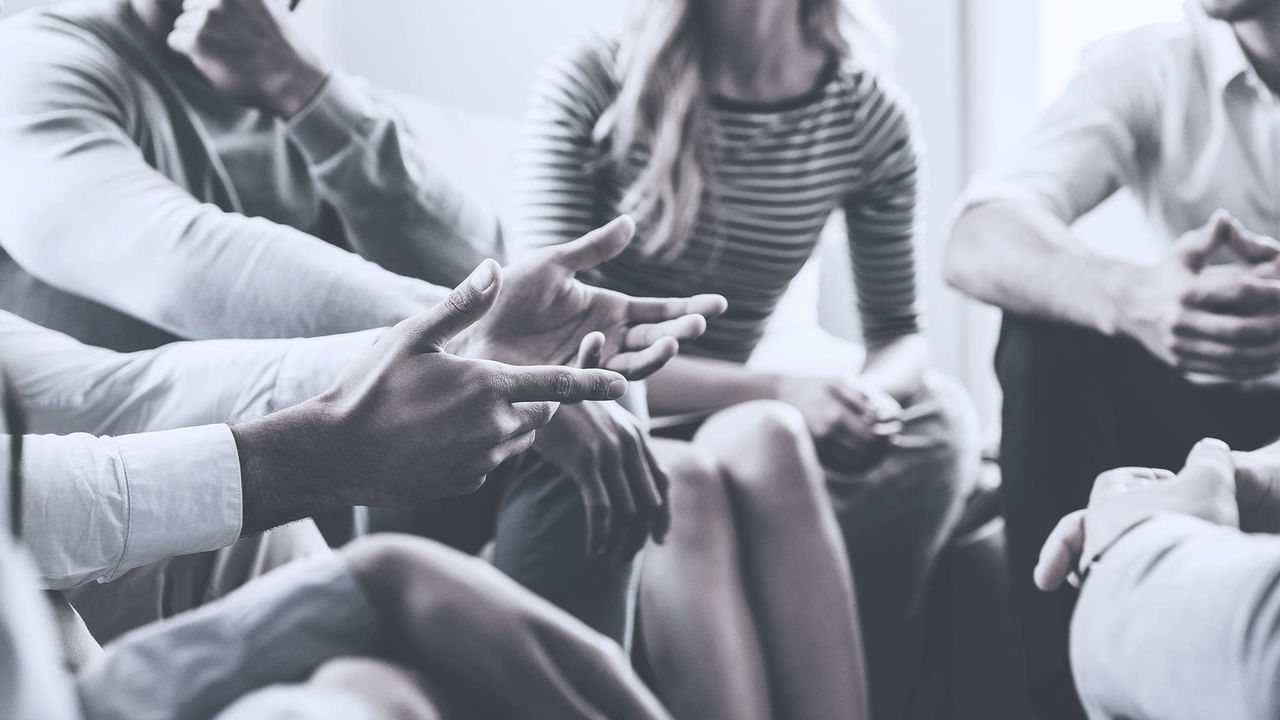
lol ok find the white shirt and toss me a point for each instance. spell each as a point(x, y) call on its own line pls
point(1174, 112)
point(95, 507)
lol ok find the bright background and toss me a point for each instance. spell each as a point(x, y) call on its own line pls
point(977, 69)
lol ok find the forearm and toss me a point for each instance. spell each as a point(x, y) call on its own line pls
point(1177, 620)
point(897, 366)
point(694, 384)
point(1024, 259)
point(399, 210)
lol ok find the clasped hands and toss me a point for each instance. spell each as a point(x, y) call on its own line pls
point(1202, 315)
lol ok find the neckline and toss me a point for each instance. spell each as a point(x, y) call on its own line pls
point(829, 72)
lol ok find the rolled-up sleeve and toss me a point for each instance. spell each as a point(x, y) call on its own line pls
point(96, 507)
point(1090, 141)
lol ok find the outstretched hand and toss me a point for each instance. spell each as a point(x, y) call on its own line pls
point(544, 313)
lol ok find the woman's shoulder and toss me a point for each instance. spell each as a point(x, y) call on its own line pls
point(587, 64)
point(873, 98)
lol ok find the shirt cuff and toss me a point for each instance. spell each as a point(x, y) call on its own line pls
point(334, 119)
point(183, 493)
point(312, 365)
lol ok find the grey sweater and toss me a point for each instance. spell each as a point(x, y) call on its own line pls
point(1180, 620)
point(137, 204)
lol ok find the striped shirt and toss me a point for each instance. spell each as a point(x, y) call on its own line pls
point(776, 174)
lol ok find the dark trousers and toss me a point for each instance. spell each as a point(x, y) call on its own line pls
point(1077, 403)
point(534, 515)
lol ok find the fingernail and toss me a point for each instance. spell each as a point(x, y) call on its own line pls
point(617, 389)
point(482, 277)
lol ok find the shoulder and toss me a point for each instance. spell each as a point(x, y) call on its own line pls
point(581, 76)
point(880, 109)
point(65, 54)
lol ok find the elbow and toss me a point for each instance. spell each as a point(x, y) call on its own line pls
point(968, 257)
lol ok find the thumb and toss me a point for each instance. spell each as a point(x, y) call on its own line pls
point(1209, 461)
point(1195, 247)
point(468, 302)
point(597, 246)
point(1250, 246)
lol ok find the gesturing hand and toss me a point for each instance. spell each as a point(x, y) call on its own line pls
point(247, 50)
point(544, 313)
point(1122, 498)
point(407, 422)
point(851, 421)
point(624, 489)
point(1222, 320)
point(472, 629)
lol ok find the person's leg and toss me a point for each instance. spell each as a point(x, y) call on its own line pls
point(540, 541)
point(697, 634)
point(793, 560)
point(896, 518)
point(160, 590)
point(1076, 404)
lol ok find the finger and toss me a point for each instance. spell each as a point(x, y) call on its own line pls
point(662, 515)
point(533, 415)
point(1232, 372)
point(1230, 329)
point(561, 383)
point(686, 327)
point(432, 331)
point(622, 504)
point(1250, 246)
point(650, 310)
point(1195, 247)
point(1227, 354)
point(1233, 293)
point(644, 489)
point(597, 246)
point(591, 350)
point(1209, 461)
point(595, 499)
point(1060, 554)
point(182, 41)
point(641, 364)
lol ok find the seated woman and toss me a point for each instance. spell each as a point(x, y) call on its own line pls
point(732, 131)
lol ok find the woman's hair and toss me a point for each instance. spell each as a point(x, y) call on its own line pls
point(662, 102)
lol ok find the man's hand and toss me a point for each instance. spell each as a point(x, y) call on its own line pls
point(544, 313)
point(851, 420)
point(247, 50)
point(624, 489)
point(1258, 488)
point(1125, 497)
point(408, 423)
point(471, 629)
point(1221, 320)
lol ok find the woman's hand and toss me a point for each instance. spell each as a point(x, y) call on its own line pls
point(852, 421)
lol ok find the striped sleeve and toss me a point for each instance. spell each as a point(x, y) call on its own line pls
point(883, 215)
point(557, 190)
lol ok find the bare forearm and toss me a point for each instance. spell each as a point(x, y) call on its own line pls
point(692, 384)
point(1021, 258)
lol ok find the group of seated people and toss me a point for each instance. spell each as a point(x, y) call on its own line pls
point(265, 463)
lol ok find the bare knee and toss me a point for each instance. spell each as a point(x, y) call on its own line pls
point(763, 443)
point(699, 495)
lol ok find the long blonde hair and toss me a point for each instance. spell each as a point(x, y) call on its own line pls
point(662, 104)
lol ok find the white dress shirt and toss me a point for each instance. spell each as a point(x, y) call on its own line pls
point(95, 507)
point(1174, 112)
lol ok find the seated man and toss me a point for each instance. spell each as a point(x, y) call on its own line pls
point(390, 628)
point(191, 170)
point(1103, 362)
point(1178, 608)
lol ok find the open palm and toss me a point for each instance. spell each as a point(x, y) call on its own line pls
point(544, 314)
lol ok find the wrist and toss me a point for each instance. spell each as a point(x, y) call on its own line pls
point(293, 89)
point(288, 465)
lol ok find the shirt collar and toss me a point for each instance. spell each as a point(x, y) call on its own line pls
point(1225, 58)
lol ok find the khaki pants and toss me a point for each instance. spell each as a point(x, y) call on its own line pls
point(154, 592)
